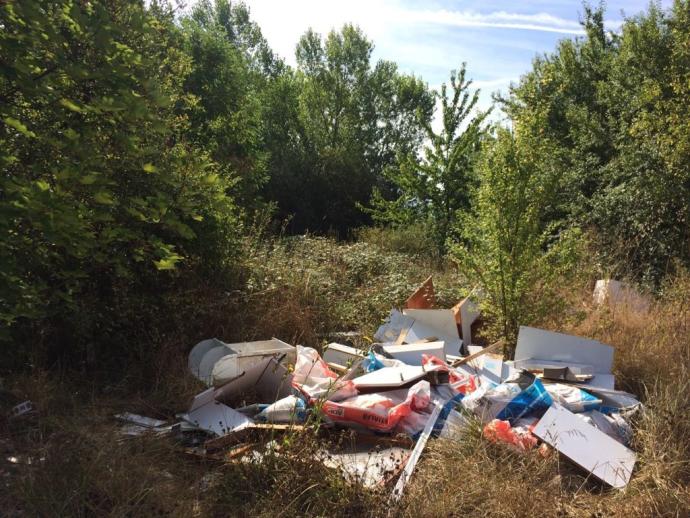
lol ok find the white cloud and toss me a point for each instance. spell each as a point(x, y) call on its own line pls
point(283, 22)
point(501, 20)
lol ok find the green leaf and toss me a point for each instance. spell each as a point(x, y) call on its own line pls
point(104, 198)
point(168, 263)
point(70, 105)
point(89, 179)
point(150, 168)
point(21, 128)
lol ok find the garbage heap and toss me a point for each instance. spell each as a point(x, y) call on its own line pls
point(421, 378)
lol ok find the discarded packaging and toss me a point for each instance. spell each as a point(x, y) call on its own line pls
point(618, 294)
point(417, 381)
point(215, 362)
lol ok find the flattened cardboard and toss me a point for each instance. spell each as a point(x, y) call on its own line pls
point(390, 377)
point(466, 313)
point(423, 297)
point(243, 355)
point(604, 457)
point(395, 325)
point(412, 353)
point(531, 364)
point(268, 378)
point(437, 324)
point(212, 416)
point(538, 344)
point(342, 354)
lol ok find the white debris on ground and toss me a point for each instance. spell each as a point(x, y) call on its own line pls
point(418, 381)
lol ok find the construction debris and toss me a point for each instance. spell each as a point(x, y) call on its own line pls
point(416, 382)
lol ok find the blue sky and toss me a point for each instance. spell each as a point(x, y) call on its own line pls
point(497, 38)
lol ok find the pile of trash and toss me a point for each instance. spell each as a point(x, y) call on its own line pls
point(421, 378)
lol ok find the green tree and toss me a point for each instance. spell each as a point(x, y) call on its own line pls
point(506, 245)
point(101, 197)
point(229, 59)
point(351, 119)
point(436, 187)
point(614, 106)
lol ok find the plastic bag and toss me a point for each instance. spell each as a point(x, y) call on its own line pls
point(460, 381)
point(573, 398)
point(519, 437)
point(509, 401)
point(379, 411)
point(313, 378)
point(533, 400)
point(287, 410)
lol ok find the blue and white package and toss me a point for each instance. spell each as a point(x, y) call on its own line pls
point(509, 401)
point(573, 398)
point(531, 401)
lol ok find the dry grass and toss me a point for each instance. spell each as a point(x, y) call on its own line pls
point(81, 467)
point(652, 360)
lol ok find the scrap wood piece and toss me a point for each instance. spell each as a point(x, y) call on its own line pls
point(423, 297)
point(239, 451)
point(489, 349)
point(340, 369)
point(416, 453)
point(241, 435)
point(466, 313)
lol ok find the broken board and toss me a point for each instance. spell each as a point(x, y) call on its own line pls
point(423, 297)
point(390, 377)
point(590, 448)
point(437, 324)
point(538, 344)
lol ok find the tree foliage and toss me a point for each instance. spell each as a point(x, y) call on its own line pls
point(350, 121)
point(508, 247)
point(435, 188)
point(100, 193)
point(615, 105)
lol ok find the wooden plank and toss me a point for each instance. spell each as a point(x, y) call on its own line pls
point(489, 349)
point(256, 428)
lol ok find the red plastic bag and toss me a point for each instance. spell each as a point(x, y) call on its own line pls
point(380, 411)
point(519, 437)
point(313, 378)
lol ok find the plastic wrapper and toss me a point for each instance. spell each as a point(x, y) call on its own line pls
point(573, 398)
point(381, 411)
point(519, 437)
point(313, 378)
point(290, 409)
point(460, 381)
point(509, 401)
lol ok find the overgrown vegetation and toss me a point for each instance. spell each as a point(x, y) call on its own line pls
point(166, 178)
